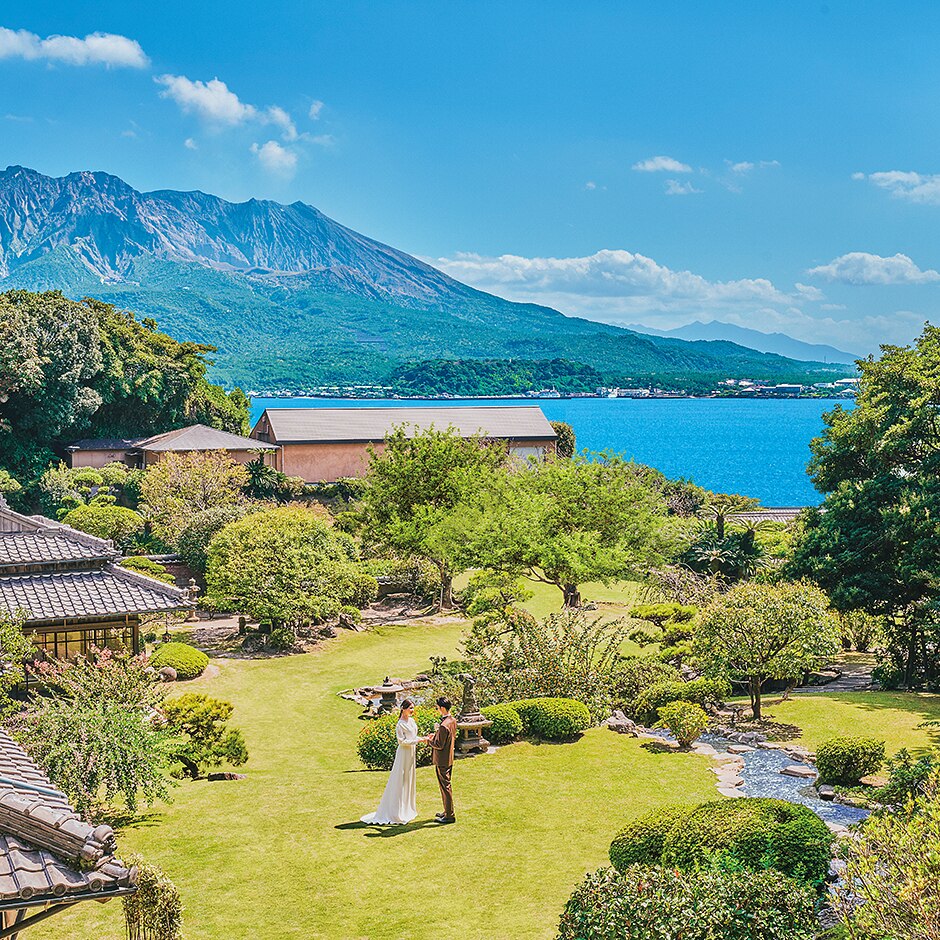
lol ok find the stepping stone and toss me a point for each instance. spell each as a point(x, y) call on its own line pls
point(730, 791)
point(798, 770)
point(770, 746)
point(826, 792)
point(739, 748)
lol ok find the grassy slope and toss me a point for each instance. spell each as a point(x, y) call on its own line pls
point(892, 717)
point(263, 857)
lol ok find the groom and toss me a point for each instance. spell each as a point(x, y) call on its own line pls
point(442, 756)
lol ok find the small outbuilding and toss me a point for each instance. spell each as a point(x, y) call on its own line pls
point(146, 451)
point(330, 444)
point(71, 593)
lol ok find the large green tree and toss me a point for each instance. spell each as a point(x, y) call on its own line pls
point(757, 632)
point(418, 490)
point(569, 521)
point(71, 369)
point(873, 543)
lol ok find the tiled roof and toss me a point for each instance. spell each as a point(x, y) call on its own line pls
point(48, 854)
point(109, 590)
point(50, 546)
point(104, 443)
point(770, 514)
point(199, 437)
point(359, 425)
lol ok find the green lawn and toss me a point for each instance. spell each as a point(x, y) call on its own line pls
point(892, 717)
point(280, 855)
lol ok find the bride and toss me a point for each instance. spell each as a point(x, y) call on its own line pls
point(397, 806)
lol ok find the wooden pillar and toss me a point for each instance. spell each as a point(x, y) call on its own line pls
point(135, 632)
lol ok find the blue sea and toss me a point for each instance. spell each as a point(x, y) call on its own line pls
point(750, 446)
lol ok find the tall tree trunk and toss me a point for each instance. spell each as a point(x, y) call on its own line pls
point(911, 653)
point(572, 596)
point(447, 590)
point(755, 698)
point(720, 526)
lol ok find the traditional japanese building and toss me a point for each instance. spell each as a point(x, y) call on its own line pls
point(50, 859)
point(146, 451)
point(69, 590)
point(330, 444)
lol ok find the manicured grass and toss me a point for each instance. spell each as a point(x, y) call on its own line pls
point(891, 717)
point(280, 854)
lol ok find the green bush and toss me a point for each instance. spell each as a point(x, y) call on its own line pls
point(553, 719)
point(106, 521)
point(701, 692)
point(642, 903)
point(641, 841)
point(685, 720)
point(846, 759)
point(144, 565)
point(636, 673)
point(753, 833)
point(185, 659)
point(377, 742)
point(907, 776)
point(282, 639)
point(507, 723)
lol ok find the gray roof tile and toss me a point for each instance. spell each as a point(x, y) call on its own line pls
point(199, 437)
point(50, 546)
point(110, 590)
point(331, 425)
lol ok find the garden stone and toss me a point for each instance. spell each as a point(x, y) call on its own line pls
point(826, 792)
point(798, 770)
point(739, 748)
point(168, 674)
point(837, 869)
point(619, 722)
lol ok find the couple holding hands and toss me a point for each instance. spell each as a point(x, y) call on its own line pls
point(398, 804)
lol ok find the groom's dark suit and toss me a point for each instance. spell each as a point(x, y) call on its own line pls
point(442, 756)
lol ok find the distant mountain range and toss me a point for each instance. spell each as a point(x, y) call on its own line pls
point(778, 343)
point(293, 299)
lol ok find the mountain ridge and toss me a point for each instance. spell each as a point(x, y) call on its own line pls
point(292, 298)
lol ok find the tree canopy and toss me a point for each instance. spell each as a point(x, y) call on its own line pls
point(71, 369)
point(757, 632)
point(873, 543)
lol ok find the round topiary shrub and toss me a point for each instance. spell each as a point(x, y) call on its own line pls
point(507, 724)
point(185, 659)
point(377, 742)
point(641, 841)
point(639, 903)
point(845, 760)
point(754, 833)
point(685, 720)
point(553, 719)
point(702, 692)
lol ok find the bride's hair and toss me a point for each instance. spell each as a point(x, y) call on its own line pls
point(405, 703)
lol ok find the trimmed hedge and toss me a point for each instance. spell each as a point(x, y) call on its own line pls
point(553, 719)
point(377, 742)
point(845, 760)
point(753, 833)
point(642, 903)
point(701, 692)
point(185, 659)
point(685, 720)
point(642, 840)
point(507, 723)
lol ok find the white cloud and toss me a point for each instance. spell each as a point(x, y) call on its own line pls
point(745, 166)
point(810, 292)
point(190, 144)
point(679, 188)
point(95, 49)
point(283, 120)
point(316, 107)
point(275, 158)
point(590, 184)
point(322, 140)
point(661, 164)
point(212, 101)
point(905, 184)
point(860, 267)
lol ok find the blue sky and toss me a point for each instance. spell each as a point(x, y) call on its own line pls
point(774, 165)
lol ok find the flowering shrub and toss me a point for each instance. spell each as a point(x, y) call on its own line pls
point(641, 903)
point(377, 742)
point(685, 720)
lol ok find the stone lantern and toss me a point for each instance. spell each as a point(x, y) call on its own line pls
point(388, 693)
point(470, 723)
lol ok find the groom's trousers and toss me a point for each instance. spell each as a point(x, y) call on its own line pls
point(447, 794)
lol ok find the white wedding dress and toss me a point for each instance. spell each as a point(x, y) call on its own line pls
point(398, 804)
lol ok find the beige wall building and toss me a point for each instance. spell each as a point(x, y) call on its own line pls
point(146, 451)
point(323, 445)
